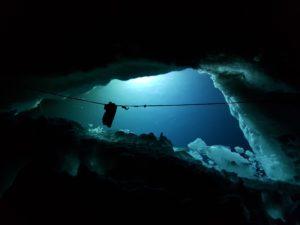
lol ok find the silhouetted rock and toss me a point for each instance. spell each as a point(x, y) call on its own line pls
point(68, 176)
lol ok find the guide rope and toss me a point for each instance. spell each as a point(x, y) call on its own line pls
point(126, 107)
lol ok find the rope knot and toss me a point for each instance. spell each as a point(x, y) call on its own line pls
point(125, 107)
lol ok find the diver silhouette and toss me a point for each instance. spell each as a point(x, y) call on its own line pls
point(109, 115)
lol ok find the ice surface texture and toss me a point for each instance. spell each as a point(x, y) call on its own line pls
point(272, 129)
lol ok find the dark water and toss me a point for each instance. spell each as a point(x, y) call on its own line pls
point(213, 124)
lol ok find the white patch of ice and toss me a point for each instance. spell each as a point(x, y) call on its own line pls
point(239, 149)
point(222, 158)
point(97, 131)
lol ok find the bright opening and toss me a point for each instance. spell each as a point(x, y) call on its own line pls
point(182, 125)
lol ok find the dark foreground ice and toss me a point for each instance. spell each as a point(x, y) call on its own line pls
point(53, 172)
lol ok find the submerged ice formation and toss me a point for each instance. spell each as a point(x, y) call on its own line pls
point(266, 127)
point(239, 161)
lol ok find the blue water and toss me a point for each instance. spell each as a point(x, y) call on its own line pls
point(181, 125)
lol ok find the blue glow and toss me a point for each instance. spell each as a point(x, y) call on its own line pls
point(214, 124)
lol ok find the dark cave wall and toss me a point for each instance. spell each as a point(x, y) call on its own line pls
point(140, 177)
point(85, 36)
